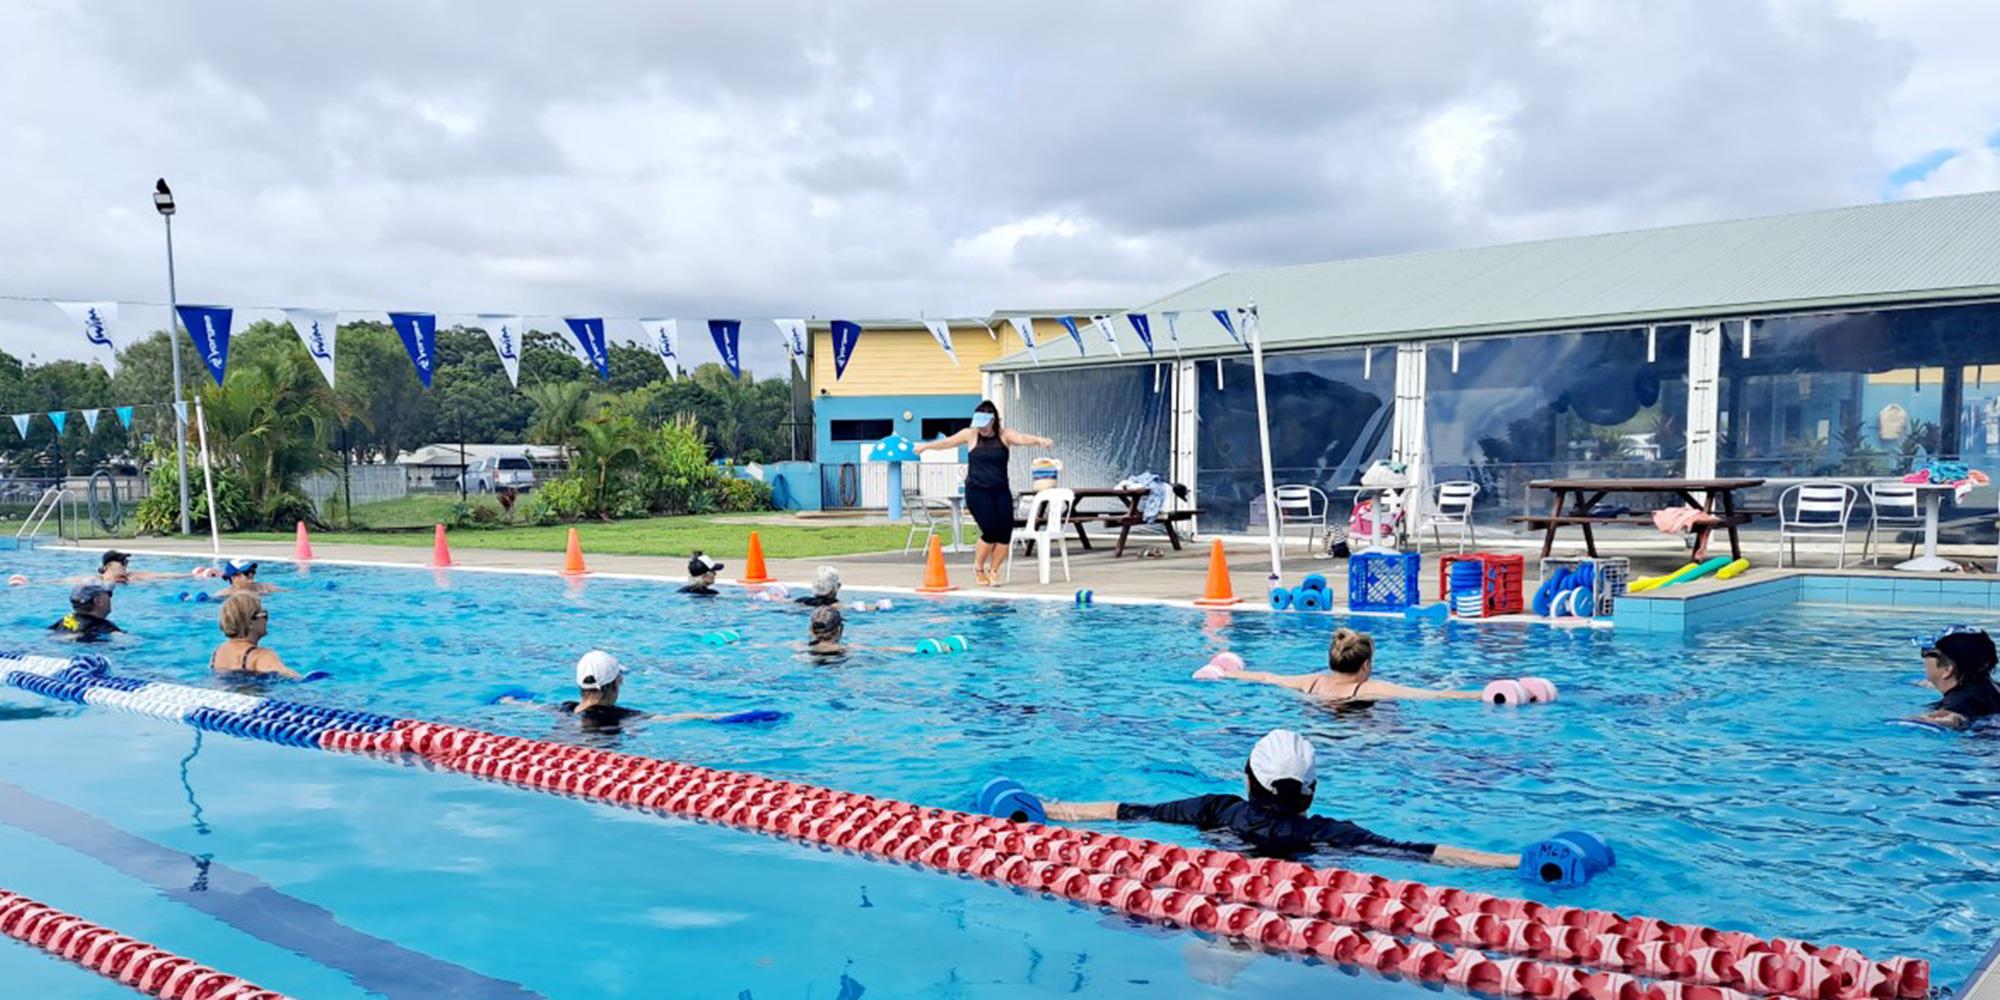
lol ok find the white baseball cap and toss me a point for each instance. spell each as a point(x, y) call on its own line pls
point(1283, 754)
point(598, 669)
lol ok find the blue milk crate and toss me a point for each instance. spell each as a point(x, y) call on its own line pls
point(1383, 581)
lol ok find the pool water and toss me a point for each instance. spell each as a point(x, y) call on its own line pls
point(1746, 777)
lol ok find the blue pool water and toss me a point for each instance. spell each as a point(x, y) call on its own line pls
point(1746, 777)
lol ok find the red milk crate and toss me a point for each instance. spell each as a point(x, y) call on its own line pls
point(1502, 581)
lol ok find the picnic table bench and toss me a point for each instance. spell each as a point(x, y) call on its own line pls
point(1124, 518)
point(1581, 495)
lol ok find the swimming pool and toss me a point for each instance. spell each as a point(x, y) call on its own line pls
point(1745, 775)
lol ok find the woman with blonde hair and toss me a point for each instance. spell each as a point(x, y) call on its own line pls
point(244, 624)
point(1349, 676)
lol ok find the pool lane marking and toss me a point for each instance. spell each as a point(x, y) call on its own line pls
point(253, 906)
point(1258, 607)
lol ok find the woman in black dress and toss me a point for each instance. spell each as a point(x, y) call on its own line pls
point(987, 494)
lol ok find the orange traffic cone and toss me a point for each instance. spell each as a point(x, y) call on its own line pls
point(573, 557)
point(440, 552)
point(302, 550)
point(1218, 593)
point(753, 564)
point(935, 581)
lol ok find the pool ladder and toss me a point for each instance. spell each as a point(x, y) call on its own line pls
point(31, 526)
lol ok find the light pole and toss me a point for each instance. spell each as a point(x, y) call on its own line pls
point(163, 199)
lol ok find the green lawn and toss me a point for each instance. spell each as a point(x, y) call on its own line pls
point(649, 536)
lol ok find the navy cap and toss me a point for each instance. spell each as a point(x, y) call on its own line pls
point(87, 594)
point(702, 564)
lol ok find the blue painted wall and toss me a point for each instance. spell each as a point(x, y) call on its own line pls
point(827, 409)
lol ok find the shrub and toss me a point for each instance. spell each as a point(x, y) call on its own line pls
point(485, 516)
point(739, 495)
point(675, 476)
point(159, 512)
point(283, 511)
point(564, 499)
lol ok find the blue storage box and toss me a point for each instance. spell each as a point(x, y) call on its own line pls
point(1383, 581)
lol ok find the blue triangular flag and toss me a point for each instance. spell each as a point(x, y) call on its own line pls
point(125, 416)
point(1144, 328)
point(1222, 317)
point(21, 424)
point(589, 332)
point(59, 418)
point(728, 333)
point(845, 336)
point(208, 327)
point(90, 421)
point(1069, 323)
point(419, 333)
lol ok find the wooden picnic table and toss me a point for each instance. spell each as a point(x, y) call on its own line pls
point(1583, 494)
point(1124, 517)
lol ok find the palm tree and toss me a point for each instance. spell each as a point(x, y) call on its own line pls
point(606, 445)
point(273, 419)
point(561, 408)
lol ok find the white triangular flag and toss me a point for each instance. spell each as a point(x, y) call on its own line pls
point(1024, 327)
point(21, 423)
point(941, 331)
point(1103, 325)
point(794, 333)
point(90, 420)
point(505, 333)
point(664, 336)
point(98, 322)
point(316, 329)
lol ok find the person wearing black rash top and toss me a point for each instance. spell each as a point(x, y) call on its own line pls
point(701, 576)
point(89, 619)
point(1281, 777)
point(987, 495)
point(598, 678)
point(1959, 663)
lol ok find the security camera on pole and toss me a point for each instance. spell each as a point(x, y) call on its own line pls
point(163, 199)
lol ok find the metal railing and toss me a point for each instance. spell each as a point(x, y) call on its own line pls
point(50, 500)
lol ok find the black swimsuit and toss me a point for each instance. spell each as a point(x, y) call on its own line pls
point(987, 495)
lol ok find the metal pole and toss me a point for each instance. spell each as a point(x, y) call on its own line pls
point(461, 458)
point(174, 352)
point(1264, 442)
point(208, 482)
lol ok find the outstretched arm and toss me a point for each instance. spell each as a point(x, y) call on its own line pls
point(1297, 682)
point(1073, 811)
point(959, 439)
point(1015, 437)
point(1464, 858)
point(690, 717)
point(1949, 720)
point(1379, 690)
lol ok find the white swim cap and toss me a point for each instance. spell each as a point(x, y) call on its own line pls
point(827, 581)
point(1283, 754)
point(598, 669)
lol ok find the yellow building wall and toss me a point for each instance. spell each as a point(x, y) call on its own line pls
point(903, 361)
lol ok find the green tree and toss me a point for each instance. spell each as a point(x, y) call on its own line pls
point(560, 409)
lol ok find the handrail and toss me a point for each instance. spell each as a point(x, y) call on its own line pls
point(31, 526)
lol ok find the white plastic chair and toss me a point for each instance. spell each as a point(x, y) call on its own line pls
point(1302, 505)
point(1891, 505)
point(1814, 510)
point(1451, 506)
point(1047, 527)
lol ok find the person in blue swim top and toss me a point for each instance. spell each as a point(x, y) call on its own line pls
point(599, 677)
point(1959, 663)
point(1271, 816)
point(89, 618)
point(1349, 678)
point(244, 624)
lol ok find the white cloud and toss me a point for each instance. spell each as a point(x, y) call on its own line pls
point(1973, 170)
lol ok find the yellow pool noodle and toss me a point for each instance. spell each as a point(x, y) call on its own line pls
point(1732, 570)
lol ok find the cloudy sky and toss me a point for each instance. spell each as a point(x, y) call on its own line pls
point(894, 159)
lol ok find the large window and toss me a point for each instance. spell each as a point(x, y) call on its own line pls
point(1108, 422)
point(1504, 411)
point(1328, 422)
point(859, 430)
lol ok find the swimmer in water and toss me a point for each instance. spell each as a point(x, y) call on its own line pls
point(826, 589)
point(89, 618)
point(115, 569)
point(599, 677)
point(244, 624)
point(1959, 663)
point(1271, 817)
point(1350, 666)
point(701, 576)
point(827, 631)
point(241, 578)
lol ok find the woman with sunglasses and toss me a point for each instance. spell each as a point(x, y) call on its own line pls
point(1959, 663)
point(987, 493)
point(244, 624)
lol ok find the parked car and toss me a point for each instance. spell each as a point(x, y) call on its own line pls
point(486, 475)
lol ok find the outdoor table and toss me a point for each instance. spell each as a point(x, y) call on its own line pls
point(1583, 494)
point(957, 502)
point(1930, 561)
point(1124, 519)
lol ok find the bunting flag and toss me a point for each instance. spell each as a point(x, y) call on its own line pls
point(316, 328)
point(589, 332)
point(1144, 328)
point(90, 421)
point(419, 333)
point(1174, 330)
point(728, 335)
point(124, 416)
point(941, 332)
point(1102, 324)
point(1222, 317)
point(60, 418)
point(21, 423)
point(1024, 327)
point(666, 337)
point(1069, 323)
point(794, 333)
point(181, 413)
point(505, 333)
point(97, 320)
point(845, 336)
point(208, 327)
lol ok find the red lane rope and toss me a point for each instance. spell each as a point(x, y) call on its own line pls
point(143, 967)
point(1343, 916)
